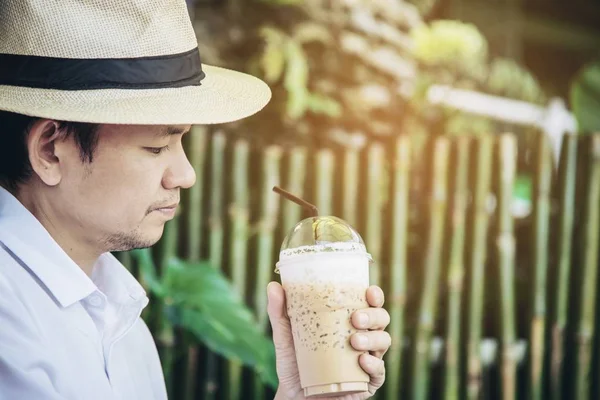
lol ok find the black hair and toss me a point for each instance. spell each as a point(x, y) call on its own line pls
point(15, 168)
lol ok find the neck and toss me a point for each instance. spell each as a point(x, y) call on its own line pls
point(72, 241)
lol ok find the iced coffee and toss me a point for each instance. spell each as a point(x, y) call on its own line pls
point(324, 269)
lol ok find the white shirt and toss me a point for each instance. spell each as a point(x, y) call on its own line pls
point(62, 334)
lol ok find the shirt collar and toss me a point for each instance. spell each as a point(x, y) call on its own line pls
point(116, 282)
point(27, 238)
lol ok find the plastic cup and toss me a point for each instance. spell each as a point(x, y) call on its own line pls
point(324, 268)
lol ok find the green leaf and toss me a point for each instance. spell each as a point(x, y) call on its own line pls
point(312, 32)
point(321, 104)
point(197, 280)
point(523, 187)
point(296, 104)
point(205, 303)
point(296, 80)
point(507, 78)
point(272, 60)
point(522, 196)
point(451, 44)
point(585, 98)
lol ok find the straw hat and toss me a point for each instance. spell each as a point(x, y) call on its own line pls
point(115, 61)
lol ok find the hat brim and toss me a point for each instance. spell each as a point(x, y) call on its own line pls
point(224, 96)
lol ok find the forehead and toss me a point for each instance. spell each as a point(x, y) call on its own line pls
point(133, 132)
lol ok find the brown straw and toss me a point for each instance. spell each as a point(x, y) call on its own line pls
point(311, 207)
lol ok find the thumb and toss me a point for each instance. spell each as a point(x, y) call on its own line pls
point(276, 301)
point(280, 323)
point(287, 367)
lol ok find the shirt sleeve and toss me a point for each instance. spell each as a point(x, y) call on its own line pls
point(25, 372)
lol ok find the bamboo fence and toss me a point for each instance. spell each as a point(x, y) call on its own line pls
point(449, 253)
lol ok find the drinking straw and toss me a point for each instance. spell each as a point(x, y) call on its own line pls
point(310, 207)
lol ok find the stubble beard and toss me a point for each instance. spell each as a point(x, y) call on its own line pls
point(127, 241)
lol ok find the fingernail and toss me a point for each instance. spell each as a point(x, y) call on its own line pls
point(362, 340)
point(363, 320)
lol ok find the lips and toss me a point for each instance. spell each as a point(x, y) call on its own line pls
point(166, 209)
point(167, 206)
point(172, 206)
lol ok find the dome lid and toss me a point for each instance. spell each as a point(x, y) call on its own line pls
point(322, 234)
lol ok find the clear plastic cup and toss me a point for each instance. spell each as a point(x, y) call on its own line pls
point(324, 268)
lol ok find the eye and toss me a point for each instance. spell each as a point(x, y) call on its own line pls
point(157, 150)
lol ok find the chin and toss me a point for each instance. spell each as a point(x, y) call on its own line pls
point(134, 240)
point(148, 241)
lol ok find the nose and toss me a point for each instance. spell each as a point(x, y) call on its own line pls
point(180, 173)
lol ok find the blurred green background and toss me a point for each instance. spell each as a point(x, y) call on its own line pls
point(456, 136)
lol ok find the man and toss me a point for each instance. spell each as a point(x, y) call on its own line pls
point(95, 97)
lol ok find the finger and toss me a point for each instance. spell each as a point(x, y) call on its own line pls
point(371, 318)
point(375, 367)
point(375, 296)
point(287, 369)
point(276, 308)
point(375, 341)
point(275, 300)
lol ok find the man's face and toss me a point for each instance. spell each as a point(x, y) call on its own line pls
point(123, 198)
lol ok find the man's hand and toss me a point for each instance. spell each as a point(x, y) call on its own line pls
point(375, 341)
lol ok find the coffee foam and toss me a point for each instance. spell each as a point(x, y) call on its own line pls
point(324, 268)
point(323, 289)
point(324, 247)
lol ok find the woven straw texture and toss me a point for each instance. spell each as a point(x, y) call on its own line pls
point(95, 28)
point(119, 29)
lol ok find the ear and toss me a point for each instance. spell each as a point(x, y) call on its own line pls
point(41, 144)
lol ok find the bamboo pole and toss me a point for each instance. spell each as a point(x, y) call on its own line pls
point(216, 203)
point(432, 265)
point(375, 196)
point(197, 150)
point(264, 264)
point(567, 176)
point(292, 214)
point(542, 227)
point(239, 216)
point(216, 244)
point(506, 260)
point(325, 163)
point(456, 269)
point(166, 335)
point(398, 263)
point(351, 176)
point(589, 251)
point(478, 261)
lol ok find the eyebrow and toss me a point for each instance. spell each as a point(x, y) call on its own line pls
point(172, 130)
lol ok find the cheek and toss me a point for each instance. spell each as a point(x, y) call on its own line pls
point(119, 189)
point(115, 199)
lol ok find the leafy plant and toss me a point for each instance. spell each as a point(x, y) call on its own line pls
point(200, 299)
point(585, 98)
point(507, 78)
point(451, 44)
point(284, 57)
